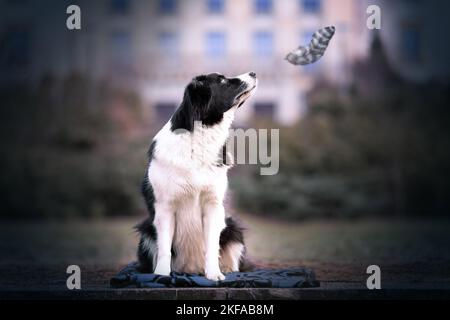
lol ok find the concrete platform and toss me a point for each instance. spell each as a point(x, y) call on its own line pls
point(229, 294)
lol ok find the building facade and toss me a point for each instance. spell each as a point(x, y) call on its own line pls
point(156, 47)
point(414, 36)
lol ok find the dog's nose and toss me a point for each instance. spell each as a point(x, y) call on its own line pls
point(252, 74)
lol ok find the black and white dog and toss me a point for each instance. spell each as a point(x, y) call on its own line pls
point(186, 181)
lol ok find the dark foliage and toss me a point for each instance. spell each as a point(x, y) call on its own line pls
point(71, 148)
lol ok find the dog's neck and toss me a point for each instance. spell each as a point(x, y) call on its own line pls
point(198, 147)
point(208, 141)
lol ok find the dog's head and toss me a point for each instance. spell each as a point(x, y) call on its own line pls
point(208, 97)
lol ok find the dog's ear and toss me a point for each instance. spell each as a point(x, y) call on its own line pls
point(199, 94)
point(195, 104)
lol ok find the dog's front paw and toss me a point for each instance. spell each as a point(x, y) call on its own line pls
point(163, 267)
point(162, 271)
point(215, 275)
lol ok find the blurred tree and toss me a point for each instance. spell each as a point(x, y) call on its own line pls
point(384, 149)
point(68, 154)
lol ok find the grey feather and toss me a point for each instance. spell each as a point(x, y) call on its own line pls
point(315, 50)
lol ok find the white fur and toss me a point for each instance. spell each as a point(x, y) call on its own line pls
point(228, 260)
point(189, 189)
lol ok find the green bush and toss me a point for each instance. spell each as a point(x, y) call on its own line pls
point(76, 151)
point(352, 157)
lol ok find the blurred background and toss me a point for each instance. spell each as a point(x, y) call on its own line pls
point(364, 132)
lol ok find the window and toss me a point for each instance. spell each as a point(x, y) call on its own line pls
point(263, 6)
point(311, 6)
point(168, 44)
point(15, 48)
point(120, 45)
point(216, 6)
point(167, 6)
point(411, 44)
point(215, 44)
point(120, 6)
point(265, 109)
point(164, 111)
point(263, 44)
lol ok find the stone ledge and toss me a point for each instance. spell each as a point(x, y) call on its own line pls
point(227, 294)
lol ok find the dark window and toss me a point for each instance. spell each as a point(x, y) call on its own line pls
point(15, 48)
point(120, 48)
point(263, 44)
point(215, 44)
point(168, 44)
point(411, 44)
point(167, 6)
point(265, 109)
point(311, 6)
point(216, 6)
point(263, 6)
point(120, 6)
point(164, 111)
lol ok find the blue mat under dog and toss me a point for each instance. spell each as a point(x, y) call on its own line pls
point(298, 277)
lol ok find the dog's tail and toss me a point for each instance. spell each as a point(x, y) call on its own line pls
point(146, 252)
point(247, 264)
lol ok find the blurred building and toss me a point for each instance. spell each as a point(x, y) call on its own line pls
point(414, 37)
point(156, 47)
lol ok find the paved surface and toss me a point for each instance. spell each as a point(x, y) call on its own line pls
point(231, 294)
point(337, 282)
point(414, 257)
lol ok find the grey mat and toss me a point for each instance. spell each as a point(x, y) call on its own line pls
point(296, 277)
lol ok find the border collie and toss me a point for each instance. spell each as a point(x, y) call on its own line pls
point(186, 181)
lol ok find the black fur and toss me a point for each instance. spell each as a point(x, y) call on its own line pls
point(206, 99)
point(147, 232)
point(146, 187)
point(146, 229)
point(151, 151)
point(149, 196)
point(233, 232)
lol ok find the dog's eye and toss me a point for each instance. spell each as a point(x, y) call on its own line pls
point(222, 79)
